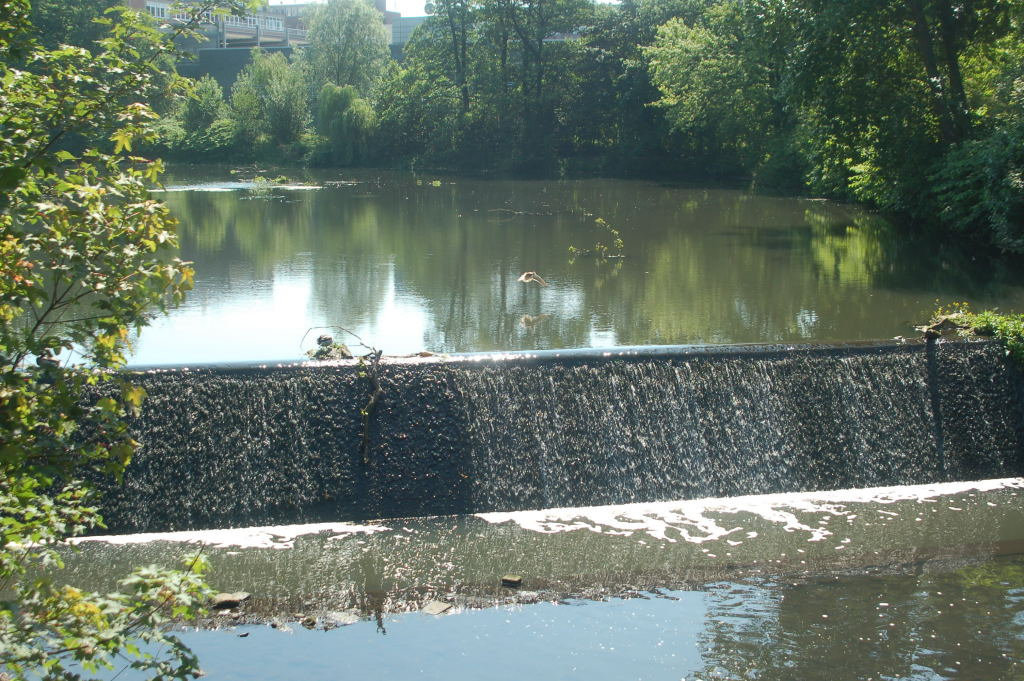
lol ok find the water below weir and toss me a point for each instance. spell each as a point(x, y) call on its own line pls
point(908, 582)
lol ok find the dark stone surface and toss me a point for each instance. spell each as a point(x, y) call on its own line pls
point(981, 412)
point(236, 446)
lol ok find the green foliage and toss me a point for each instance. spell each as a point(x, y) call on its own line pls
point(200, 128)
point(720, 78)
point(501, 91)
point(345, 123)
point(59, 22)
point(418, 116)
point(84, 257)
point(348, 45)
point(601, 250)
point(978, 187)
point(1007, 328)
point(996, 575)
point(205, 107)
point(261, 187)
point(910, 106)
point(270, 105)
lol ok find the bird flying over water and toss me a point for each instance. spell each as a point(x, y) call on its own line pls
point(527, 277)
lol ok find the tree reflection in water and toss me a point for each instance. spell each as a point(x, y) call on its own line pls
point(416, 266)
point(937, 624)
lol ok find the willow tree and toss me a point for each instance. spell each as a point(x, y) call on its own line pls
point(345, 123)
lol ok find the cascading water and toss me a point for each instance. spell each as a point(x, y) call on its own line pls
point(245, 446)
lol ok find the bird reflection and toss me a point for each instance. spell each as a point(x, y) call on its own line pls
point(530, 320)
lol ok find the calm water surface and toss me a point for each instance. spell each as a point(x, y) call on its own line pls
point(430, 262)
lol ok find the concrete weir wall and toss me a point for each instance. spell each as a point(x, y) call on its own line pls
point(254, 445)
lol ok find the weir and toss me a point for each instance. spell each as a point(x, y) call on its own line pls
point(265, 445)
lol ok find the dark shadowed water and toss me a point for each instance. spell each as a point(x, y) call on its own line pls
point(428, 262)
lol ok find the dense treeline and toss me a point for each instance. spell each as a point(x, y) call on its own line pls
point(912, 106)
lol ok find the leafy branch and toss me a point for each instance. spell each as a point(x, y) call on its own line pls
point(600, 250)
point(85, 256)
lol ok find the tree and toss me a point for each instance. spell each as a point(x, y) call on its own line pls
point(720, 74)
point(59, 22)
point(893, 92)
point(535, 23)
point(205, 106)
point(418, 115)
point(83, 258)
point(200, 127)
point(458, 17)
point(270, 104)
point(346, 123)
point(347, 45)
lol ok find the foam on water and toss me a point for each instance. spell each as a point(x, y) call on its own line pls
point(276, 537)
point(692, 520)
point(231, 187)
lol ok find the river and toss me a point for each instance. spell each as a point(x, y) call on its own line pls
point(429, 262)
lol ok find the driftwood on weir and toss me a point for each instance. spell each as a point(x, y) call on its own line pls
point(372, 374)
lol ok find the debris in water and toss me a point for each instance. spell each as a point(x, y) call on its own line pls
point(227, 601)
point(436, 607)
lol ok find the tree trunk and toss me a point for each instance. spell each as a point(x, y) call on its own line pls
point(457, 20)
point(925, 49)
point(951, 52)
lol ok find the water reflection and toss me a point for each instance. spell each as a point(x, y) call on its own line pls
point(941, 623)
point(409, 266)
point(936, 626)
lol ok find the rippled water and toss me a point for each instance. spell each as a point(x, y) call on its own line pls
point(416, 263)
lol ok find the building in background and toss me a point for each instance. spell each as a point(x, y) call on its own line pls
point(401, 31)
point(296, 11)
point(262, 29)
point(276, 25)
point(276, 28)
